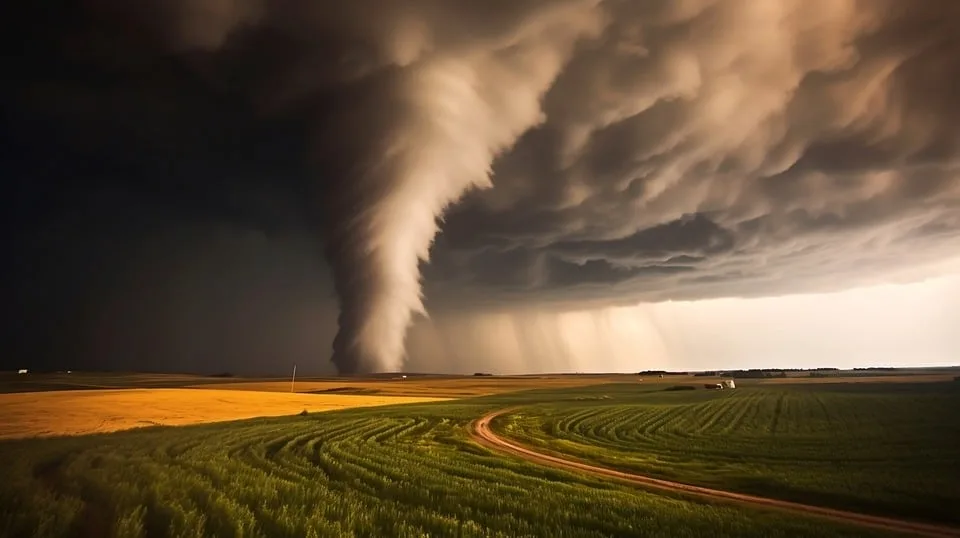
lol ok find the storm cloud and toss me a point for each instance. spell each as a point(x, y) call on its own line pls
point(726, 148)
point(569, 153)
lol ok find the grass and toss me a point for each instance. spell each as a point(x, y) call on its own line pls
point(91, 411)
point(889, 449)
point(388, 471)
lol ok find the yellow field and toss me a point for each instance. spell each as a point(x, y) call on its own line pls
point(80, 412)
point(453, 387)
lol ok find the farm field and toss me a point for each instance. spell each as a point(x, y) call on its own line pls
point(888, 449)
point(43, 382)
point(445, 386)
point(96, 411)
point(407, 470)
point(890, 378)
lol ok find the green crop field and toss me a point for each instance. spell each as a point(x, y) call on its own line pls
point(887, 449)
point(413, 471)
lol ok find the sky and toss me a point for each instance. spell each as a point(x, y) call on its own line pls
point(503, 186)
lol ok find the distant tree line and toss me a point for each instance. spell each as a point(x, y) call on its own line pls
point(753, 373)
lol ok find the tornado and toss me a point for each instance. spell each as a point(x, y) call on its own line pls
point(435, 91)
point(452, 114)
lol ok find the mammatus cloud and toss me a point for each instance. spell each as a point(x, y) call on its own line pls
point(638, 150)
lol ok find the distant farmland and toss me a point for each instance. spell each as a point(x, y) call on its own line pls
point(439, 386)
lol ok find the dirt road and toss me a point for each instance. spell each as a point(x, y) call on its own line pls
point(484, 435)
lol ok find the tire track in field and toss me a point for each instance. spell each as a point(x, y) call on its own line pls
point(481, 432)
point(776, 415)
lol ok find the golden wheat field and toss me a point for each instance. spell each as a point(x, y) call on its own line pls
point(77, 412)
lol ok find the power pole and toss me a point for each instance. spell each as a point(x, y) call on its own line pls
point(294, 378)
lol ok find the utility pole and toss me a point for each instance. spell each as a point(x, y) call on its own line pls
point(294, 378)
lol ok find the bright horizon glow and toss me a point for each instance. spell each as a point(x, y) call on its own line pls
point(903, 325)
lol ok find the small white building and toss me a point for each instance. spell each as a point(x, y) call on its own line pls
point(22, 371)
point(729, 384)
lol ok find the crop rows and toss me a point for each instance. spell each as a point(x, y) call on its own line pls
point(890, 451)
point(402, 471)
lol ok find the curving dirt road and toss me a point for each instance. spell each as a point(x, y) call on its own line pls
point(482, 433)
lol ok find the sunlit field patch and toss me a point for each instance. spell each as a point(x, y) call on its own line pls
point(94, 411)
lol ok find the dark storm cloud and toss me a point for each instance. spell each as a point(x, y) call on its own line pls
point(637, 150)
point(693, 235)
point(407, 106)
point(819, 140)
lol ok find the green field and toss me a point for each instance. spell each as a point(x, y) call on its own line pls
point(886, 449)
point(413, 471)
